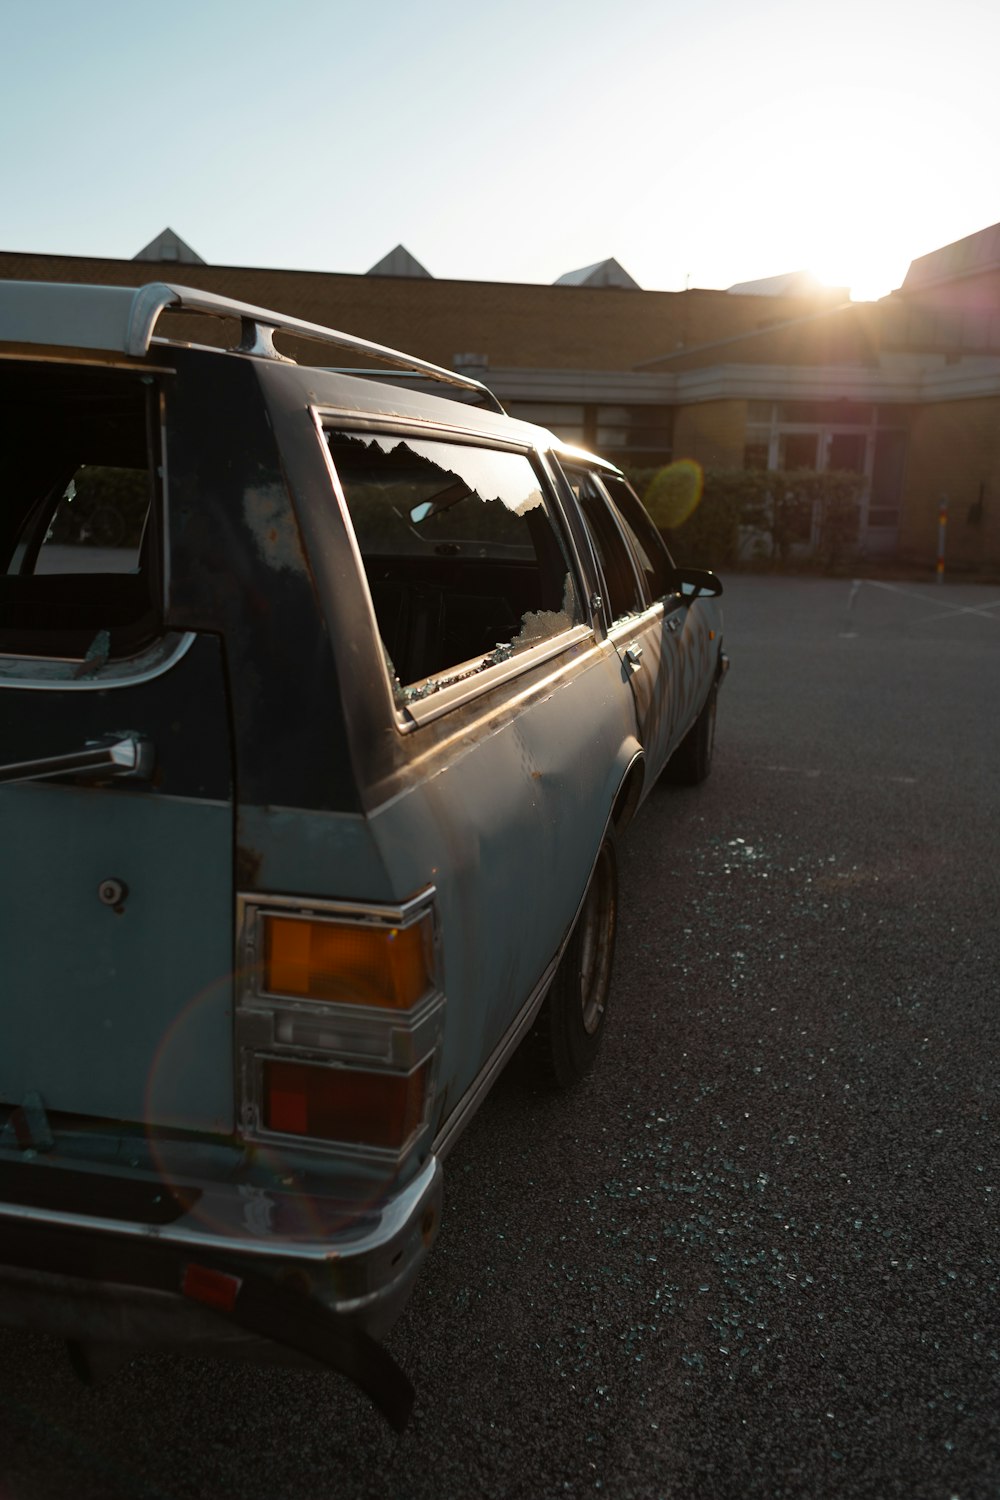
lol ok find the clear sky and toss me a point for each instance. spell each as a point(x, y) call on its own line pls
point(700, 142)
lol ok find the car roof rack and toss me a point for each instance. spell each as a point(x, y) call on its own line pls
point(122, 319)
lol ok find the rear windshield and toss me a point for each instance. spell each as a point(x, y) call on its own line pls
point(79, 554)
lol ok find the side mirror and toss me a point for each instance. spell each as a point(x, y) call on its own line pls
point(696, 583)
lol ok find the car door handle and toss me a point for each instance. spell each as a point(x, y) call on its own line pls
point(633, 655)
point(130, 756)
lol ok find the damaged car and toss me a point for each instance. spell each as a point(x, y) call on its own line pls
point(325, 701)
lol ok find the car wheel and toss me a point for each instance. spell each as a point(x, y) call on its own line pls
point(692, 760)
point(567, 1034)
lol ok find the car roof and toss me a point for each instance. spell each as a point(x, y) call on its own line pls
point(123, 321)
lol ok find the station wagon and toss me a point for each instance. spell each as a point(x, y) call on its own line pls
point(324, 701)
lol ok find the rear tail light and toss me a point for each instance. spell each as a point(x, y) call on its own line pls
point(343, 1104)
point(339, 1024)
point(354, 965)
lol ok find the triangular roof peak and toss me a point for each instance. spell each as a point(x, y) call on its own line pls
point(398, 262)
point(169, 246)
point(601, 273)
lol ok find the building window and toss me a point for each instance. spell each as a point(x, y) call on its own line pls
point(798, 450)
point(640, 435)
point(755, 454)
point(887, 479)
point(566, 420)
point(846, 451)
point(829, 413)
point(836, 435)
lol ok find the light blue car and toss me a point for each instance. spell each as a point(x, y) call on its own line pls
point(322, 705)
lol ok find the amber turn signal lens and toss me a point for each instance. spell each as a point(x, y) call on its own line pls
point(343, 1104)
point(356, 965)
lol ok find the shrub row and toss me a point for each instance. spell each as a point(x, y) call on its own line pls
point(727, 517)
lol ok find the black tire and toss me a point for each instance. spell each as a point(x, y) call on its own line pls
point(566, 1037)
point(692, 760)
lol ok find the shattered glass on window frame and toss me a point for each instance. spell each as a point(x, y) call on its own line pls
point(465, 562)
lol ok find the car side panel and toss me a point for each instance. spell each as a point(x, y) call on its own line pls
point(699, 642)
point(504, 824)
point(655, 680)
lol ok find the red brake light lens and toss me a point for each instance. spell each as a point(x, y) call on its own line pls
point(343, 1104)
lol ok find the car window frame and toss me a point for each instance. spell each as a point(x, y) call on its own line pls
point(613, 624)
point(21, 549)
point(646, 532)
point(468, 683)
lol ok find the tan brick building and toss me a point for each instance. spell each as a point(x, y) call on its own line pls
point(906, 391)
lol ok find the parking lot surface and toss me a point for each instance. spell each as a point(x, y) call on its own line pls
point(755, 1254)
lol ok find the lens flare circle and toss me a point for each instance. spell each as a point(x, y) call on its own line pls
point(266, 1177)
point(674, 493)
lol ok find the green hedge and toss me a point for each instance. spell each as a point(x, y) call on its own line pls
point(701, 521)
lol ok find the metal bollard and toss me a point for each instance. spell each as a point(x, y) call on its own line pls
point(942, 534)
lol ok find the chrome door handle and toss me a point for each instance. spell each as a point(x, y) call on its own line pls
point(633, 655)
point(130, 756)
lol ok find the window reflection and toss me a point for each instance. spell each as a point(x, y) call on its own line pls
point(465, 563)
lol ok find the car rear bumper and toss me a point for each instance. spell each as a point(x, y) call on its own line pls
point(281, 1278)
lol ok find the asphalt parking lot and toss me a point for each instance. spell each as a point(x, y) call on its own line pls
point(755, 1255)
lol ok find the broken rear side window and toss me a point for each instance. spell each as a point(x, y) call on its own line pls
point(79, 543)
point(465, 564)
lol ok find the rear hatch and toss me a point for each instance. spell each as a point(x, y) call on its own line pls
point(116, 891)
